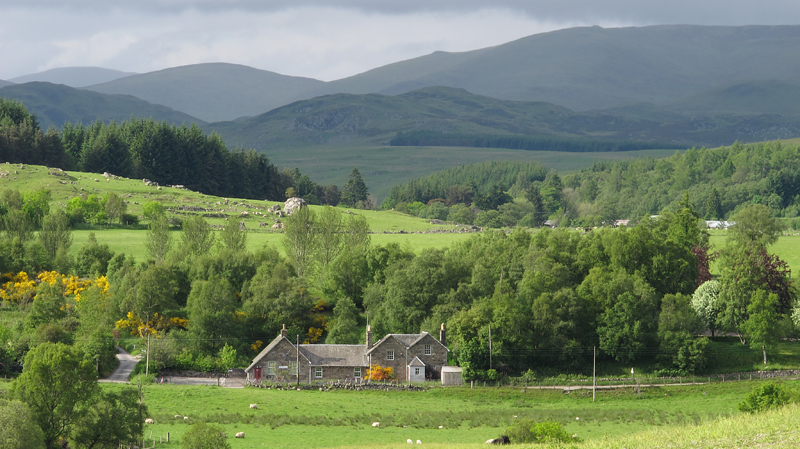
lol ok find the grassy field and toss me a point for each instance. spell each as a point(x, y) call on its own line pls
point(313, 418)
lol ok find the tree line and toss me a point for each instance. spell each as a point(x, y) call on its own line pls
point(547, 296)
point(721, 181)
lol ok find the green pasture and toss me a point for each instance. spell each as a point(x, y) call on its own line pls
point(311, 418)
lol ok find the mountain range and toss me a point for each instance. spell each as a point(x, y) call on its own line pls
point(579, 68)
point(73, 76)
point(680, 85)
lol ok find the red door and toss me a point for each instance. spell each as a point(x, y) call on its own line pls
point(258, 374)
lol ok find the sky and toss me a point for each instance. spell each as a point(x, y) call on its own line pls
point(319, 39)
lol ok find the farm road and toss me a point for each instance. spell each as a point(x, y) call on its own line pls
point(126, 364)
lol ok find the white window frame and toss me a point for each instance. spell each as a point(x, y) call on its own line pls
point(318, 372)
point(389, 355)
point(416, 371)
point(357, 372)
point(271, 368)
point(428, 350)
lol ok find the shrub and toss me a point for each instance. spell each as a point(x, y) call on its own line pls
point(529, 431)
point(764, 397)
point(205, 436)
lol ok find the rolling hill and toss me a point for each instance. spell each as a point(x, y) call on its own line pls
point(213, 92)
point(55, 104)
point(454, 117)
point(5, 83)
point(73, 76)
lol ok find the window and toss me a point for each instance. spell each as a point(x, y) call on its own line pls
point(357, 372)
point(318, 372)
point(389, 355)
point(416, 371)
point(427, 349)
point(293, 369)
point(271, 368)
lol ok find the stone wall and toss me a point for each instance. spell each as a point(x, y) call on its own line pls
point(399, 363)
point(433, 362)
point(283, 354)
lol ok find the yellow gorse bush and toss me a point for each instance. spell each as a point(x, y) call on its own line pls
point(154, 326)
point(21, 288)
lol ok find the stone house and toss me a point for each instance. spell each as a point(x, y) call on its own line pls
point(412, 357)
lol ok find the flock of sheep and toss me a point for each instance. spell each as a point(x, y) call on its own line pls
point(502, 440)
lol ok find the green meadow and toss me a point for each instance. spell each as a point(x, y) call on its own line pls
point(468, 417)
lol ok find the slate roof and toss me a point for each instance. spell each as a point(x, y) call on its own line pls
point(269, 348)
point(335, 355)
point(416, 362)
point(407, 340)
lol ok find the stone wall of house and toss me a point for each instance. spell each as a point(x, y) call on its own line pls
point(398, 365)
point(344, 373)
point(433, 362)
point(283, 354)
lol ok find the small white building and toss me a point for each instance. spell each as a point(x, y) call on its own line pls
point(416, 370)
point(451, 375)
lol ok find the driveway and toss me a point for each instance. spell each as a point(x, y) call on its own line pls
point(126, 364)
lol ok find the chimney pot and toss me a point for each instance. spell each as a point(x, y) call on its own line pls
point(284, 332)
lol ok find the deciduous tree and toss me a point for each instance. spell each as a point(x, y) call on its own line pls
point(56, 383)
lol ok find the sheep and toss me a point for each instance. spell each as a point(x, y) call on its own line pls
point(239, 434)
point(419, 442)
point(178, 416)
point(254, 406)
point(376, 424)
point(149, 421)
point(409, 441)
point(185, 418)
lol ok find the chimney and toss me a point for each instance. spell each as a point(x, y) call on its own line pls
point(369, 337)
point(442, 336)
point(283, 331)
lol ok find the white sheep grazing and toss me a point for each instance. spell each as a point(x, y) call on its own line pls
point(419, 442)
point(376, 424)
point(149, 421)
point(185, 418)
point(254, 406)
point(178, 416)
point(239, 434)
point(409, 441)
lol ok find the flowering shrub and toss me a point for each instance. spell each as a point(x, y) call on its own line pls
point(377, 372)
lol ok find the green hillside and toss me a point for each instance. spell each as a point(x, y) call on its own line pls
point(213, 92)
point(753, 97)
point(56, 104)
point(5, 83)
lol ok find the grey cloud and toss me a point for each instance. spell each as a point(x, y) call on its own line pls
point(711, 12)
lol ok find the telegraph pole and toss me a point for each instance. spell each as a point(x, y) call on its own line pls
point(490, 346)
point(594, 371)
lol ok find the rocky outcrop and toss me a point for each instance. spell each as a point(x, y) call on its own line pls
point(293, 204)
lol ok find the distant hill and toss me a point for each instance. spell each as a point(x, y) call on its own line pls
point(5, 83)
point(55, 104)
point(753, 97)
point(74, 76)
point(598, 68)
point(213, 92)
point(442, 116)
